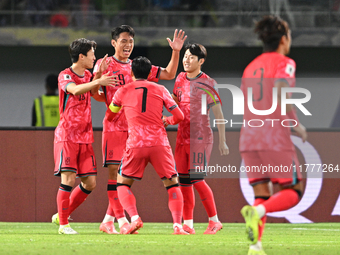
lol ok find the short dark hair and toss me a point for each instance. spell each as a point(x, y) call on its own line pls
point(270, 30)
point(197, 49)
point(51, 81)
point(80, 46)
point(141, 67)
point(121, 29)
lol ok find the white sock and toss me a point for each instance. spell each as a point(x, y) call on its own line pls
point(261, 210)
point(189, 223)
point(122, 221)
point(214, 218)
point(134, 217)
point(108, 218)
point(257, 246)
point(177, 225)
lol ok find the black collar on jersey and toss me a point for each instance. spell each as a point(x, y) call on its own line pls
point(127, 62)
point(190, 79)
point(81, 76)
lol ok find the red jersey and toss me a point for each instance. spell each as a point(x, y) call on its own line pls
point(123, 70)
point(143, 103)
point(189, 101)
point(75, 123)
point(261, 75)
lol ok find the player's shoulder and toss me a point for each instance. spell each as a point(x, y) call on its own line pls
point(289, 61)
point(204, 75)
point(65, 74)
point(87, 73)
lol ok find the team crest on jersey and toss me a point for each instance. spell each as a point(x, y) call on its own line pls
point(67, 161)
point(67, 77)
point(290, 70)
point(110, 153)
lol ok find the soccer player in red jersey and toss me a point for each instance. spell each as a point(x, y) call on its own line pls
point(115, 133)
point(188, 146)
point(147, 142)
point(270, 144)
point(73, 137)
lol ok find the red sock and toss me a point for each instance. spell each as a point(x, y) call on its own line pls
point(176, 204)
point(78, 196)
point(207, 197)
point(188, 201)
point(109, 211)
point(127, 199)
point(63, 203)
point(114, 202)
point(263, 219)
point(282, 200)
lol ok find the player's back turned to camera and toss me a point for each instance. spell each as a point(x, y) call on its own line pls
point(143, 102)
point(270, 144)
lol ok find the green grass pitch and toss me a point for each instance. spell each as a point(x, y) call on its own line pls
point(156, 238)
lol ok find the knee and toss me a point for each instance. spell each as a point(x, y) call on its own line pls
point(90, 186)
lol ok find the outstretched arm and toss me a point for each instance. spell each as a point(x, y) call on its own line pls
point(169, 72)
point(105, 80)
point(223, 147)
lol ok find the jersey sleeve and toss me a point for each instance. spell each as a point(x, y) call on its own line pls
point(214, 92)
point(286, 71)
point(155, 73)
point(64, 80)
point(168, 101)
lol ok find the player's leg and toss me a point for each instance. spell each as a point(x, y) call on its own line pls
point(199, 157)
point(289, 179)
point(187, 189)
point(175, 204)
point(65, 158)
point(131, 168)
point(87, 171)
point(162, 160)
point(112, 154)
point(254, 223)
point(128, 201)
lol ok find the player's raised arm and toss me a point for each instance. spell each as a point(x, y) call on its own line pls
point(169, 72)
point(223, 147)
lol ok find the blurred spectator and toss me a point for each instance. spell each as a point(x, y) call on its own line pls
point(59, 20)
point(45, 111)
point(275, 7)
point(38, 5)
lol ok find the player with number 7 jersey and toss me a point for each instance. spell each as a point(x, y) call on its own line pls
point(115, 132)
point(143, 103)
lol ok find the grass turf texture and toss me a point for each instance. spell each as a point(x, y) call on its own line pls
point(156, 238)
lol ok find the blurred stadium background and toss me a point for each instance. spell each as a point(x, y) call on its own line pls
point(35, 34)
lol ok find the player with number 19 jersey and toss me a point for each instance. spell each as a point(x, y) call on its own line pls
point(261, 75)
point(123, 71)
point(75, 123)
